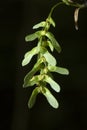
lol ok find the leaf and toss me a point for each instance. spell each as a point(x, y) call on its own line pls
point(33, 36)
point(34, 80)
point(52, 83)
point(50, 98)
point(51, 21)
point(33, 96)
point(28, 77)
point(59, 70)
point(36, 67)
point(54, 41)
point(49, 58)
point(30, 82)
point(50, 45)
point(28, 56)
point(41, 24)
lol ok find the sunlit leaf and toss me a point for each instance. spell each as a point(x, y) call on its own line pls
point(41, 24)
point(54, 41)
point(29, 76)
point(33, 96)
point(59, 70)
point(49, 58)
point(50, 98)
point(33, 36)
point(55, 86)
point(30, 82)
point(51, 21)
point(36, 67)
point(50, 45)
point(34, 80)
point(28, 56)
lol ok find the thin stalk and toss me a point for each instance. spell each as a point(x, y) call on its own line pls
point(77, 5)
point(52, 9)
point(71, 4)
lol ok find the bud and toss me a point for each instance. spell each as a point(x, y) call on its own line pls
point(76, 17)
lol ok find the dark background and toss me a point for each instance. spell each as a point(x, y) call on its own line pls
point(16, 20)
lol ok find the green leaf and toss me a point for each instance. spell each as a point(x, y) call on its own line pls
point(53, 41)
point(33, 36)
point(41, 24)
point(33, 96)
point(50, 98)
point(30, 82)
point(34, 80)
point(36, 67)
point(29, 76)
point(51, 21)
point(55, 86)
point(28, 56)
point(49, 58)
point(50, 45)
point(59, 70)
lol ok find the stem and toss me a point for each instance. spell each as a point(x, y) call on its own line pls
point(71, 4)
point(77, 5)
point(52, 9)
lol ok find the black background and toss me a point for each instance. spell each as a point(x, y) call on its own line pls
point(16, 20)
